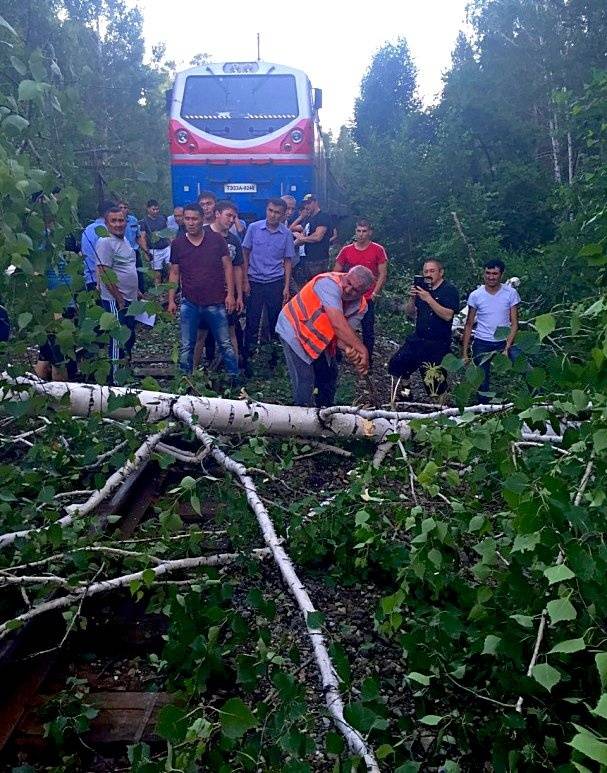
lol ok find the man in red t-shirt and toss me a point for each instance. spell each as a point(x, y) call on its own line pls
point(364, 252)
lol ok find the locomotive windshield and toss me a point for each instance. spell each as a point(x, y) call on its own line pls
point(239, 107)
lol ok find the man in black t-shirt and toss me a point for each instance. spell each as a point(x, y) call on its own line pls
point(433, 309)
point(315, 240)
point(156, 247)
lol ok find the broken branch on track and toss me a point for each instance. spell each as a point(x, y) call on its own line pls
point(104, 586)
point(79, 510)
point(328, 676)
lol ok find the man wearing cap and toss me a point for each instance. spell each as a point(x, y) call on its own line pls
point(320, 319)
point(315, 239)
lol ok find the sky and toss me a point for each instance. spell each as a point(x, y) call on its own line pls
point(333, 41)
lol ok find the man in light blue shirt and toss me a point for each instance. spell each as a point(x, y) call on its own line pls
point(268, 251)
point(88, 245)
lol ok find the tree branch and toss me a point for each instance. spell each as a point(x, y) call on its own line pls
point(327, 672)
point(142, 454)
point(104, 586)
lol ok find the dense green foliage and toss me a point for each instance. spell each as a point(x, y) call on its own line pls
point(503, 148)
point(95, 112)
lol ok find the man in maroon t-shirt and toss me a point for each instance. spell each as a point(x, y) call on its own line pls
point(364, 252)
point(201, 262)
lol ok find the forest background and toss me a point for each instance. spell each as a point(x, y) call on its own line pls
point(504, 148)
point(501, 548)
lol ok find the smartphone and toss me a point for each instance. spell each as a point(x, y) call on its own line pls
point(419, 281)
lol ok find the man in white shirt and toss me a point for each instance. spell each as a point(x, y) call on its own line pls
point(491, 306)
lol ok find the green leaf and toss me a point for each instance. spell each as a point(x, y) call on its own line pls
point(29, 90)
point(601, 707)
point(590, 746)
point(87, 127)
point(601, 666)
point(561, 609)
point(545, 324)
point(491, 644)
point(451, 363)
point(558, 573)
point(417, 677)
point(172, 723)
point(334, 743)
point(18, 65)
point(431, 719)
point(101, 231)
point(188, 483)
point(476, 522)
point(236, 718)
point(107, 320)
point(525, 620)
point(147, 577)
point(37, 67)
point(16, 121)
point(24, 319)
point(546, 675)
point(524, 542)
point(599, 439)
point(568, 646)
point(580, 399)
point(383, 751)
point(7, 26)
point(315, 619)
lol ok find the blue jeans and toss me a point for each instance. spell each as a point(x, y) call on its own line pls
point(216, 319)
point(482, 352)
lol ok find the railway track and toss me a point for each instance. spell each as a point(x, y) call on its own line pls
point(39, 660)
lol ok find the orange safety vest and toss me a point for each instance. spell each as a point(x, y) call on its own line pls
point(310, 321)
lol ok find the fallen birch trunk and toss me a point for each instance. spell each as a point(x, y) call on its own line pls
point(328, 676)
point(212, 413)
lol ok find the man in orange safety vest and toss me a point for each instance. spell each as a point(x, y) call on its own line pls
point(317, 322)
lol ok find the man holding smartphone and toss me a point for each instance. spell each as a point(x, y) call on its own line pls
point(432, 303)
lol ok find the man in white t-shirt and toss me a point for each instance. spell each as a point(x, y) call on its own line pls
point(491, 306)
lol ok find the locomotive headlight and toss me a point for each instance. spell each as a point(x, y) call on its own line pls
point(297, 135)
point(182, 136)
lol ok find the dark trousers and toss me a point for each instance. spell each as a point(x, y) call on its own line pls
point(268, 294)
point(326, 371)
point(140, 274)
point(118, 350)
point(320, 375)
point(368, 328)
point(420, 353)
point(482, 354)
point(308, 269)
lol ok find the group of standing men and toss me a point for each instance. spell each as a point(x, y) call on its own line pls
point(280, 266)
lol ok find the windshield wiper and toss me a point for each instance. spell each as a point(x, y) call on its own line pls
point(262, 82)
